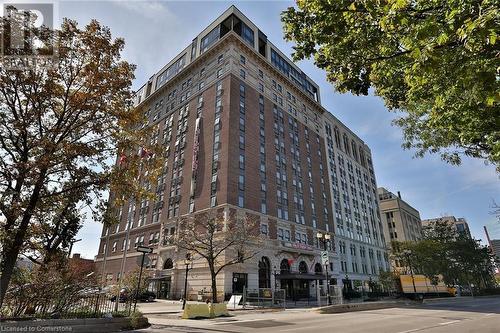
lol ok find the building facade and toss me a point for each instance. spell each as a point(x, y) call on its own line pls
point(495, 249)
point(244, 137)
point(360, 240)
point(401, 221)
point(460, 224)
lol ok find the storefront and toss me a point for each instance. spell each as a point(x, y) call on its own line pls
point(161, 286)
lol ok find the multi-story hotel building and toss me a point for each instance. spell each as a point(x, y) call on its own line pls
point(402, 221)
point(244, 135)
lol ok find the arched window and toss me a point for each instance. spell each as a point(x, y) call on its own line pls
point(346, 145)
point(362, 156)
point(284, 266)
point(337, 136)
point(318, 269)
point(302, 267)
point(264, 273)
point(168, 264)
point(354, 150)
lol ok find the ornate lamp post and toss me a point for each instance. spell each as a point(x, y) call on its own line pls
point(325, 239)
point(187, 263)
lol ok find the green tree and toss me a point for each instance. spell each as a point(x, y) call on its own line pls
point(436, 61)
point(61, 127)
point(456, 257)
point(388, 280)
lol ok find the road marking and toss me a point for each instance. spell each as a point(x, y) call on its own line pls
point(240, 321)
point(449, 322)
point(425, 328)
point(413, 330)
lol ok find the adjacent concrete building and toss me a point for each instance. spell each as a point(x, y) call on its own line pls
point(244, 135)
point(460, 224)
point(401, 221)
point(495, 248)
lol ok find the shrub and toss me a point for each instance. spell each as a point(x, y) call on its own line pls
point(137, 320)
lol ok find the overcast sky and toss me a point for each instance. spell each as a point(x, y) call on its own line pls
point(156, 31)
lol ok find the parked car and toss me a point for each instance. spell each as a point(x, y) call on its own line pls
point(126, 295)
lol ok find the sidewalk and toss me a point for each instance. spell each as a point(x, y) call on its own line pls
point(161, 306)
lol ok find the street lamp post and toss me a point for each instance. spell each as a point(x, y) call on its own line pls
point(325, 239)
point(71, 246)
point(187, 262)
point(407, 254)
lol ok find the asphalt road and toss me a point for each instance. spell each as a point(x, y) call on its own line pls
point(456, 316)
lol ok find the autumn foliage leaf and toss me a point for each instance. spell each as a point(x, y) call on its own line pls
point(61, 129)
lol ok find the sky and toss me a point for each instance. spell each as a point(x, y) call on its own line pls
point(156, 31)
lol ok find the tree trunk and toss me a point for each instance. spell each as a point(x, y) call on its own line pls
point(7, 265)
point(214, 283)
point(9, 258)
point(11, 251)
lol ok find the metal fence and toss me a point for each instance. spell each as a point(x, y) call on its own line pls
point(264, 297)
point(81, 305)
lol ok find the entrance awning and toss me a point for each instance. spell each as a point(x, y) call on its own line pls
point(300, 276)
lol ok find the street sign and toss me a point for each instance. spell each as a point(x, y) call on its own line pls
point(324, 257)
point(144, 249)
point(147, 261)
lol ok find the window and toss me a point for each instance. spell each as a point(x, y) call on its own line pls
point(264, 273)
point(241, 182)
point(261, 74)
point(168, 264)
point(242, 59)
point(242, 161)
point(284, 266)
point(302, 267)
point(261, 87)
point(264, 229)
point(247, 34)
point(219, 73)
point(220, 59)
point(242, 73)
point(242, 142)
point(209, 39)
point(241, 201)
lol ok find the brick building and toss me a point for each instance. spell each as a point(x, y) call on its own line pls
point(244, 132)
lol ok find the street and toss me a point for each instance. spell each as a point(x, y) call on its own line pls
point(457, 316)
